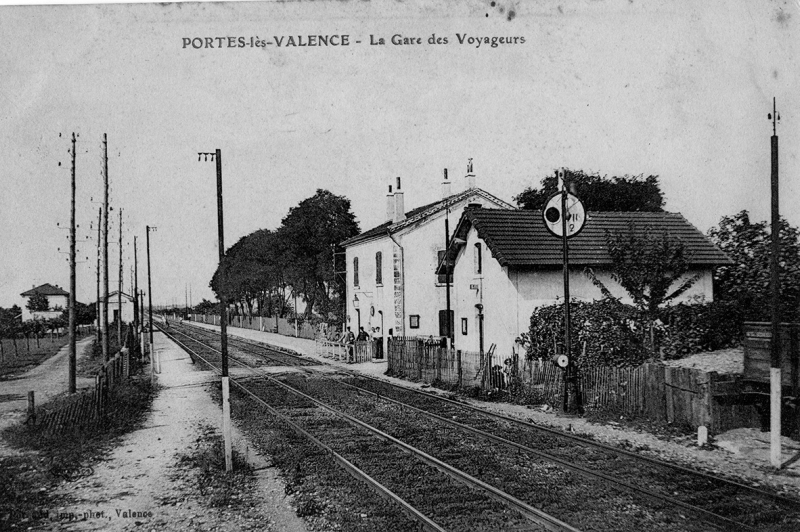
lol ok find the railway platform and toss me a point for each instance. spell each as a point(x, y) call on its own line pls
point(302, 346)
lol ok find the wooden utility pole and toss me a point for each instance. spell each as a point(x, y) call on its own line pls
point(135, 291)
point(223, 321)
point(775, 292)
point(105, 250)
point(119, 285)
point(150, 306)
point(99, 305)
point(72, 283)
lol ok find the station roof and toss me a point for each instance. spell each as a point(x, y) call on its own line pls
point(519, 239)
point(421, 213)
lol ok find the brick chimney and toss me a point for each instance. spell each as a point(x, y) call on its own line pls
point(390, 205)
point(445, 185)
point(399, 204)
point(470, 177)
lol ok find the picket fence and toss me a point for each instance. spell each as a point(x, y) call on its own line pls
point(81, 410)
point(652, 391)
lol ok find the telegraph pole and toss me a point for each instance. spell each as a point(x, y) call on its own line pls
point(119, 285)
point(775, 342)
point(72, 283)
point(99, 303)
point(150, 307)
point(223, 322)
point(135, 292)
point(105, 250)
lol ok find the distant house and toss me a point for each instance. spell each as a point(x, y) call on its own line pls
point(57, 299)
point(392, 285)
point(506, 264)
point(114, 307)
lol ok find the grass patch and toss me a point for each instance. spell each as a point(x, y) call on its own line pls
point(47, 460)
point(28, 354)
point(206, 462)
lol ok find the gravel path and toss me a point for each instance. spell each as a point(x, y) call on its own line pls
point(141, 486)
point(46, 380)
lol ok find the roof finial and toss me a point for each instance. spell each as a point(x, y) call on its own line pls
point(469, 166)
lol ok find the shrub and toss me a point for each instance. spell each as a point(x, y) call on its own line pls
point(609, 333)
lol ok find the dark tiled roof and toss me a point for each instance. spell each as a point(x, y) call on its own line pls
point(519, 239)
point(45, 290)
point(420, 213)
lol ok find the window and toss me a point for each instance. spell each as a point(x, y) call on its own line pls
point(478, 259)
point(355, 271)
point(379, 268)
point(464, 324)
point(444, 278)
point(413, 321)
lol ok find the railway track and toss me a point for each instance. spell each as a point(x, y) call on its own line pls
point(662, 486)
point(441, 498)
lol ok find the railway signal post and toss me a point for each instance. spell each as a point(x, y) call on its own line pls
point(223, 319)
point(564, 217)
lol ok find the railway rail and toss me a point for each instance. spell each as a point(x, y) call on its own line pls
point(717, 501)
point(383, 463)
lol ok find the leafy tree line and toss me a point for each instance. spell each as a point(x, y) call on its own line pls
point(600, 193)
point(266, 269)
point(12, 327)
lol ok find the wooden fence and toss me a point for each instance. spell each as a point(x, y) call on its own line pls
point(352, 354)
point(681, 396)
point(87, 408)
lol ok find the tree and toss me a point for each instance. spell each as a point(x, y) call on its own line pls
point(309, 232)
point(84, 314)
point(622, 194)
point(206, 307)
point(747, 280)
point(647, 263)
point(38, 303)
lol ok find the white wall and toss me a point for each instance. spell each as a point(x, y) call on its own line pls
point(422, 296)
point(509, 298)
point(53, 302)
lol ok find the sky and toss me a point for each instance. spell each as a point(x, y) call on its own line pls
point(675, 89)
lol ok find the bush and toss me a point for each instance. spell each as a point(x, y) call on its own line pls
point(614, 334)
point(693, 328)
point(620, 335)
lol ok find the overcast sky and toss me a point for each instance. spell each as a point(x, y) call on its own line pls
point(677, 89)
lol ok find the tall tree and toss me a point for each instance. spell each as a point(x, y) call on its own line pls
point(600, 193)
point(38, 303)
point(647, 262)
point(310, 231)
point(747, 280)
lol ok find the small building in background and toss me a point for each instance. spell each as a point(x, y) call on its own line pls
point(114, 307)
point(57, 302)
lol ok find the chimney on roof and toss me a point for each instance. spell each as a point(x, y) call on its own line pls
point(390, 205)
point(399, 204)
point(445, 185)
point(470, 177)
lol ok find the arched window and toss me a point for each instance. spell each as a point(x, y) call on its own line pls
point(379, 268)
point(355, 271)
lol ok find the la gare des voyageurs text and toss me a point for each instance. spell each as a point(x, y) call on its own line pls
point(289, 41)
